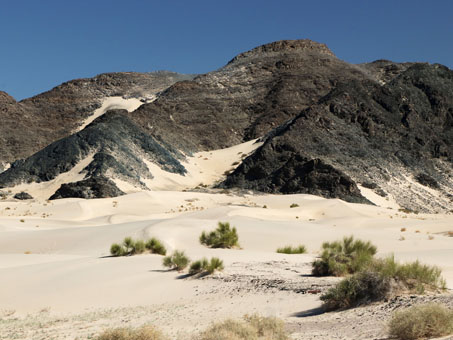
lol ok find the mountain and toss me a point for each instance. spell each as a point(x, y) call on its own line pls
point(383, 130)
point(32, 124)
point(395, 138)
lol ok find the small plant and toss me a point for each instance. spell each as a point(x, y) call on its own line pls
point(206, 266)
point(22, 220)
point(422, 321)
point(292, 250)
point(155, 246)
point(294, 205)
point(223, 237)
point(116, 250)
point(142, 333)
point(177, 261)
point(343, 257)
point(128, 244)
point(250, 328)
point(138, 247)
point(265, 206)
point(403, 229)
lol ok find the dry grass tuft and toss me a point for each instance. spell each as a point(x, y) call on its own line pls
point(423, 321)
point(142, 333)
point(250, 328)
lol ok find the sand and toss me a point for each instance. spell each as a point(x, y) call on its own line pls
point(58, 280)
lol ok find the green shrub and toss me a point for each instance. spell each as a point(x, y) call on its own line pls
point(178, 260)
point(214, 264)
point(156, 247)
point(128, 244)
point(414, 276)
point(142, 333)
point(361, 288)
point(204, 265)
point(223, 237)
point(380, 279)
point(294, 205)
point(292, 250)
point(116, 250)
point(138, 247)
point(250, 328)
point(343, 257)
point(422, 321)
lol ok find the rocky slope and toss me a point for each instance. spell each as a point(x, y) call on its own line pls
point(330, 128)
point(395, 138)
point(31, 124)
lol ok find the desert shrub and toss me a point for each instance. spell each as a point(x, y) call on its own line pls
point(142, 333)
point(116, 250)
point(422, 321)
point(343, 257)
point(223, 237)
point(292, 250)
point(128, 244)
point(206, 266)
point(138, 247)
point(294, 205)
point(380, 279)
point(155, 246)
point(250, 328)
point(198, 266)
point(414, 276)
point(361, 288)
point(178, 260)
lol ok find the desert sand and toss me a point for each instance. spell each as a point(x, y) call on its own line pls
point(58, 280)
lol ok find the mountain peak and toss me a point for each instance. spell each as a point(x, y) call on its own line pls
point(301, 45)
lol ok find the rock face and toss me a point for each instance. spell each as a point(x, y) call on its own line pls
point(23, 196)
point(118, 149)
point(328, 127)
point(254, 93)
point(370, 133)
point(32, 124)
point(94, 187)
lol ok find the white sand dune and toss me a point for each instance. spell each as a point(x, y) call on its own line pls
point(55, 255)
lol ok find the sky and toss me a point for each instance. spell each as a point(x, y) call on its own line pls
point(47, 42)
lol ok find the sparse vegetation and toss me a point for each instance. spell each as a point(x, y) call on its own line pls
point(205, 266)
point(250, 328)
point(142, 333)
point(294, 205)
point(132, 247)
point(403, 229)
point(380, 279)
point(177, 261)
point(343, 257)
point(223, 237)
point(292, 250)
point(155, 246)
point(422, 321)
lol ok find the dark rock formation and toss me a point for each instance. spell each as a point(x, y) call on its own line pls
point(94, 187)
point(254, 93)
point(32, 124)
point(367, 132)
point(23, 196)
point(118, 148)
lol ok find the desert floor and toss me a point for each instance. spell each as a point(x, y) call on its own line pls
point(59, 282)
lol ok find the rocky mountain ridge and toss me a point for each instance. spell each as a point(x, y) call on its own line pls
point(330, 128)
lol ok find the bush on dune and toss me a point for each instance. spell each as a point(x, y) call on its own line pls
point(422, 321)
point(381, 279)
point(205, 266)
point(343, 257)
point(177, 261)
point(222, 237)
point(155, 246)
point(292, 250)
point(133, 247)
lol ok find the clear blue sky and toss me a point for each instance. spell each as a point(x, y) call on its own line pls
point(47, 42)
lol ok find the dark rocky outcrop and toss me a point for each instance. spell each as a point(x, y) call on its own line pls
point(254, 93)
point(32, 124)
point(93, 187)
point(117, 146)
point(23, 196)
point(367, 132)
